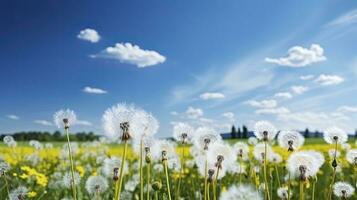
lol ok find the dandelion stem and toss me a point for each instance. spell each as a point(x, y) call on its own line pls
point(167, 178)
point(141, 171)
point(121, 173)
point(148, 180)
point(334, 165)
point(215, 185)
point(156, 195)
point(182, 170)
point(205, 181)
point(208, 197)
point(301, 196)
point(313, 188)
point(74, 192)
point(265, 172)
point(6, 184)
point(277, 175)
point(289, 186)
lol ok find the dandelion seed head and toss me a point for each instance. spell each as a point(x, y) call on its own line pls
point(332, 152)
point(252, 141)
point(7, 139)
point(303, 165)
point(64, 118)
point(205, 137)
point(182, 132)
point(110, 164)
point(143, 124)
point(67, 179)
point(264, 130)
point(259, 152)
point(283, 193)
point(4, 167)
point(276, 158)
point(241, 192)
point(163, 145)
point(346, 146)
point(221, 154)
point(96, 184)
point(319, 157)
point(351, 156)
point(343, 189)
point(241, 150)
point(36, 144)
point(290, 140)
point(19, 193)
point(335, 134)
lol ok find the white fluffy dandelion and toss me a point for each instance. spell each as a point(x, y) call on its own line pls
point(96, 184)
point(252, 141)
point(205, 137)
point(163, 145)
point(290, 140)
point(264, 130)
point(67, 179)
point(302, 165)
point(241, 150)
point(143, 124)
point(221, 156)
point(343, 190)
point(241, 192)
point(283, 193)
point(319, 157)
point(10, 141)
point(259, 152)
point(334, 153)
point(183, 132)
point(4, 167)
point(334, 135)
point(64, 118)
point(110, 165)
point(19, 193)
point(351, 156)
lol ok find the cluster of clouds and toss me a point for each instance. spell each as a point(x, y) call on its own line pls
point(48, 123)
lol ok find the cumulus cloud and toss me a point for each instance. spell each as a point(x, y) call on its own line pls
point(298, 56)
point(194, 113)
point(174, 113)
point(298, 89)
point(43, 122)
point(273, 111)
point(132, 54)
point(347, 109)
point(345, 19)
point(13, 117)
point(324, 79)
point(263, 104)
point(83, 123)
point(92, 90)
point(286, 95)
point(307, 77)
point(229, 116)
point(212, 95)
point(89, 34)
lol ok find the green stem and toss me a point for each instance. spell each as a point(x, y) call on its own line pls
point(265, 172)
point(333, 173)
point(301, 196)
point(182, 171)
point(148, 180)
point(208, 197)
point(74, 192)
point(313, 189)
point(156, 195)
point(141, 171)
point(6, 184)
point(277, 175)
point(215, 185)
point(205, 181)
point(167, 179)
point(121, 173)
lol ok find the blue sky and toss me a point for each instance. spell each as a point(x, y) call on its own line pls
point(212, 63)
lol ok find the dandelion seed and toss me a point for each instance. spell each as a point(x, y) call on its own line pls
point(205, 137)
point(290, 140)
point(241, 192)
point(343, 190)
point(302, 165)
point(96, 185)
point(65, 118)
point(264, 130)
point(335, 135)
point(222, 157)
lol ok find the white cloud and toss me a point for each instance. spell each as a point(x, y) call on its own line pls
point(298, 89)
point(132, 54)
point(228, 115)
point(307, 77)
point(83, 123)
point(212, 95)
point(273, 111)
point(89, 34)
point(13, 117)
point(194, 113)
point(300, 57)
point(43, 122)
point(93, 90)
point(263, 104)
point(324, 79)
point(346, 109)
point(286, 95)
point(345, 19)
point(174, 113)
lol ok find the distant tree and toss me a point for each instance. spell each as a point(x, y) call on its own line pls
point(306, 133)
point(244, 131)
point(356, 133)
point(233, 132)
point(317, 134)
point(239, 133)
point(47, 136)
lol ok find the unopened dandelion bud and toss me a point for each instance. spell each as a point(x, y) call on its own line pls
point(164, 156)
point(148, 155)
point(116, 174)
point(210, 175)
point(156, 186)
point(334, 163)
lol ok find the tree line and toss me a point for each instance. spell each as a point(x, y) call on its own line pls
point(48, 136)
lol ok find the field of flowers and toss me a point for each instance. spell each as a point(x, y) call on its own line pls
point(198, 164)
